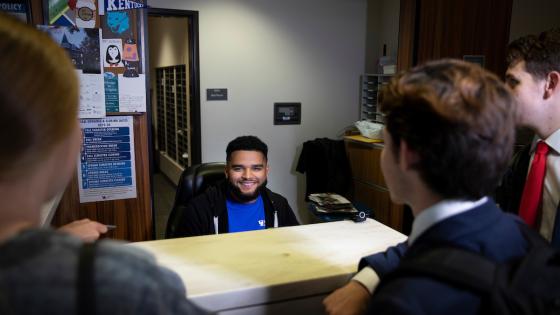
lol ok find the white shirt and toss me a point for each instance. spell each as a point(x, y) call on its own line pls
point(422, 222)
point(551, 188)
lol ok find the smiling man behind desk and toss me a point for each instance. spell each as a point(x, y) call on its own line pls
point(241, 202)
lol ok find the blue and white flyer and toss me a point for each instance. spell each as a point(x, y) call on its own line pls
point(107, 170)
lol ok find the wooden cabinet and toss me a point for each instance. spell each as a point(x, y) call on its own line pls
point(369, 186)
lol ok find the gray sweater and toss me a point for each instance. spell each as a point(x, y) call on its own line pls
point(38, 271)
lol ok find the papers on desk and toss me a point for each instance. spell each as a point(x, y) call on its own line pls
point(331, 203)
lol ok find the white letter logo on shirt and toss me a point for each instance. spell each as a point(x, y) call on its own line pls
point(261, 222)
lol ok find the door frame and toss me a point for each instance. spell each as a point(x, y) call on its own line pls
point(194, 91)
point(194, 74)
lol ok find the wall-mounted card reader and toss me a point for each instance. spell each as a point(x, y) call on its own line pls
point(287, 113)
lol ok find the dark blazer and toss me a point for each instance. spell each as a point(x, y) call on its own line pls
point(485, 230)
point(198, 217)
point(508, 194)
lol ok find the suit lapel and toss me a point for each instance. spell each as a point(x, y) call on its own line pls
point(555, 241)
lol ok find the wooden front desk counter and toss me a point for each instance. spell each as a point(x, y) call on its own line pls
point(276, 271)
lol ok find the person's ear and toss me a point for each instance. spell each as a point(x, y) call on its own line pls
point(551, 86)
point(407, 157)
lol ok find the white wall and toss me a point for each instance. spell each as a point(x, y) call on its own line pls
point(533, 17)
point(168, 41)
point(263, 52)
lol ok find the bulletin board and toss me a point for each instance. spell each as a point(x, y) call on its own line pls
point(105, 40)
point(102, 39)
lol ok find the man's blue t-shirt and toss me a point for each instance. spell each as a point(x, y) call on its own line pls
point(245, 216)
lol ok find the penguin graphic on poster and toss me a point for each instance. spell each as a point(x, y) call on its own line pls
point(113, 56)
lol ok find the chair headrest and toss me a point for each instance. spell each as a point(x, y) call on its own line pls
point(194, 180)
point(197, 179)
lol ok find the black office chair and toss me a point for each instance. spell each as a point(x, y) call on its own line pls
point(194, 180)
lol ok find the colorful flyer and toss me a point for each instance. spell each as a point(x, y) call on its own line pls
point(106, 170)
point(75, 13)
point(112, 52)
point(82, 45)
point(111, 92)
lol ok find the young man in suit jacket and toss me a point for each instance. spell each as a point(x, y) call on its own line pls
point(448, 139)
point(533, 75)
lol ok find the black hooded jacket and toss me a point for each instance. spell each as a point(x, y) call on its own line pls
point(209, 209)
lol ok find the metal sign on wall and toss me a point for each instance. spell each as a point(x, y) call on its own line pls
point(216, 94)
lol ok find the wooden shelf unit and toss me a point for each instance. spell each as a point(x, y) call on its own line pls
point(370, 85)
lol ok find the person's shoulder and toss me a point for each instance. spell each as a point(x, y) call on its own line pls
point(510, 234)
point(276, 197)
point(285, 213)
point(129, 280)
point(280, 202)
point(43, 236)
point(411, 295)
point(122, 252)
point(134, 264)
point(33, 245)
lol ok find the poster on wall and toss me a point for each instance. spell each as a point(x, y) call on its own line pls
point(76, 13)
point(83, 48)
point(81, 44)
point(117, 24)
point(106, 170)
point(112, 50)
point(92, 95)
point(111, 92)
point(17, 8)
point(132, 93)
point(119, 5)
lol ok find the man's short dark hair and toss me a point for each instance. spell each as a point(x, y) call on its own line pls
point(540, 53)
point(460, 120)
point(246, 143)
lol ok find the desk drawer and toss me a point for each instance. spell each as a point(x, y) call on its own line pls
point(364, 162)
point(379, 200)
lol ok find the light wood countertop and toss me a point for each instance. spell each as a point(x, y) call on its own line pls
point(230, 271)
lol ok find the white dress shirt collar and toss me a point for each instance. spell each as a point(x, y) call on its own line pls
point(553, 141)
point(439, 212)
